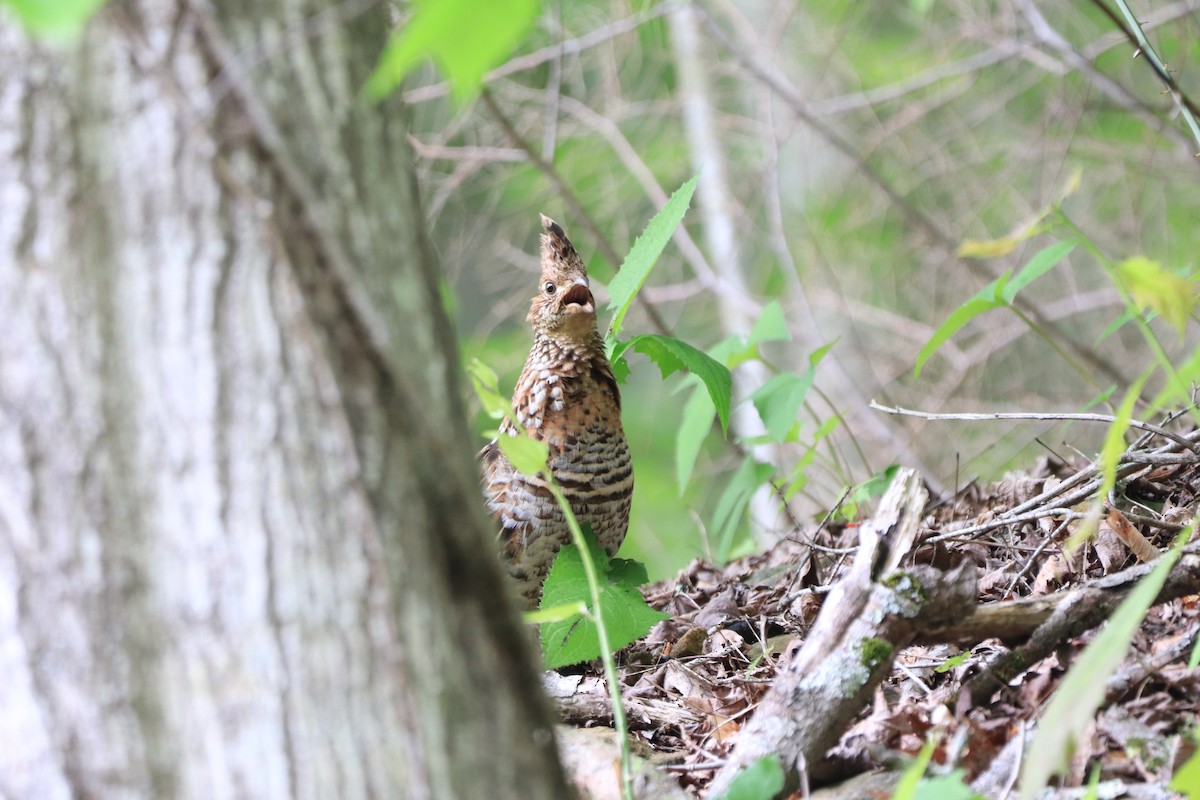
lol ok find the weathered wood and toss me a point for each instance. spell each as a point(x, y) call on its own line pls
point(862, 625)
point(242, 547)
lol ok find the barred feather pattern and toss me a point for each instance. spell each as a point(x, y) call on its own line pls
point(568, 398)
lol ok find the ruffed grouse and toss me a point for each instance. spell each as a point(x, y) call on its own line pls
point(568, 398)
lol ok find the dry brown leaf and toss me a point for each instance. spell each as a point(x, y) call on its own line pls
point(1131, 536)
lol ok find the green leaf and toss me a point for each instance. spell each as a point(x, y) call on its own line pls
point(1172, 296)
point(778, 400)
point(644, 253)
point(733, 501)
point(1186, 780)
point(1177, 391)
point(762, 780)
point(56, 20)
point(574, 639)
point(953, 662)
point(987, 298)
point(465, 37)
point(672, 355)
point(1041, 263)
point(484, 382)
point(554, 613)
point(1081, 692)
point(771, 326)
point(906, 787)
point(694, 426)
point(946, 787)
point(529, 456)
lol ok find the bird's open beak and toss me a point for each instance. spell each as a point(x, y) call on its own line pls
point(578, 299)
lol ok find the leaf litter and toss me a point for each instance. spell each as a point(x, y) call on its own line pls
point(697, 677)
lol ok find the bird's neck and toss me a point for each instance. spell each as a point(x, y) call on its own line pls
point(550, 352)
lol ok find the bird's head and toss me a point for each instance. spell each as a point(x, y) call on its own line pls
point(564, 308)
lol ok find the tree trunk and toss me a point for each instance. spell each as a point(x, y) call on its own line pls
point(242, 546)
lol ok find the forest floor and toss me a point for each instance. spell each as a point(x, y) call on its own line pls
point(694, 682)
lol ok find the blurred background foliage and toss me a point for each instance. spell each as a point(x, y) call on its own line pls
point(861, 143)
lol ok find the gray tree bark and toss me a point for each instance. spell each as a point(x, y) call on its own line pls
point(242, 546)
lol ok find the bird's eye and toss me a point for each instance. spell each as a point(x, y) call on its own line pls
point(549, 287)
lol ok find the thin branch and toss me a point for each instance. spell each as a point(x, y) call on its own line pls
point(1050, 416)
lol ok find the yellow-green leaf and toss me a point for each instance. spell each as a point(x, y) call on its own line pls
point(1172, 296)
point(465, 37)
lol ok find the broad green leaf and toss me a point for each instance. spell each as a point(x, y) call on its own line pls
point(732, 504)
point(778, 401)
point(771, 326)
point(1042, 262)
point(56, 20)
point(987, 298)
point(906, 787)
point(465, 37)
point(484, 382)
point(1081, 692)
point(694, 426)
point(527, 455)
point(946, 787)
point(762, 780)
point(1186, 780)
point(1172, 296)
point(644, 253)
point(672, 355)
point(554, 613)
point(626, 616)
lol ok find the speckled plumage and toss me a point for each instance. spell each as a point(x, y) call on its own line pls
point(568, 398)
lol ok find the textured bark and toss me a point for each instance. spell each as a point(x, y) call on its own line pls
point(242, 547)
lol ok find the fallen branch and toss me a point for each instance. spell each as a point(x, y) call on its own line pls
point(850, 649)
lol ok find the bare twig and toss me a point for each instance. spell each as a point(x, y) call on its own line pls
point(1052, 416)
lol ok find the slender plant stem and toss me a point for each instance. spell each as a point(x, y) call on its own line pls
point(620, 724)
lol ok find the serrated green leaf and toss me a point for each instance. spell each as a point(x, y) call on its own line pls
point(1081, 691)
point(762, 780)
point(1172, 296)
point(644, 254)
point(465, 37)
point(56, 20)
point(529, 456)
point(626, 615)
point(694, 426)
point(1042, 262)
point(672, 355)
point(987, 298)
